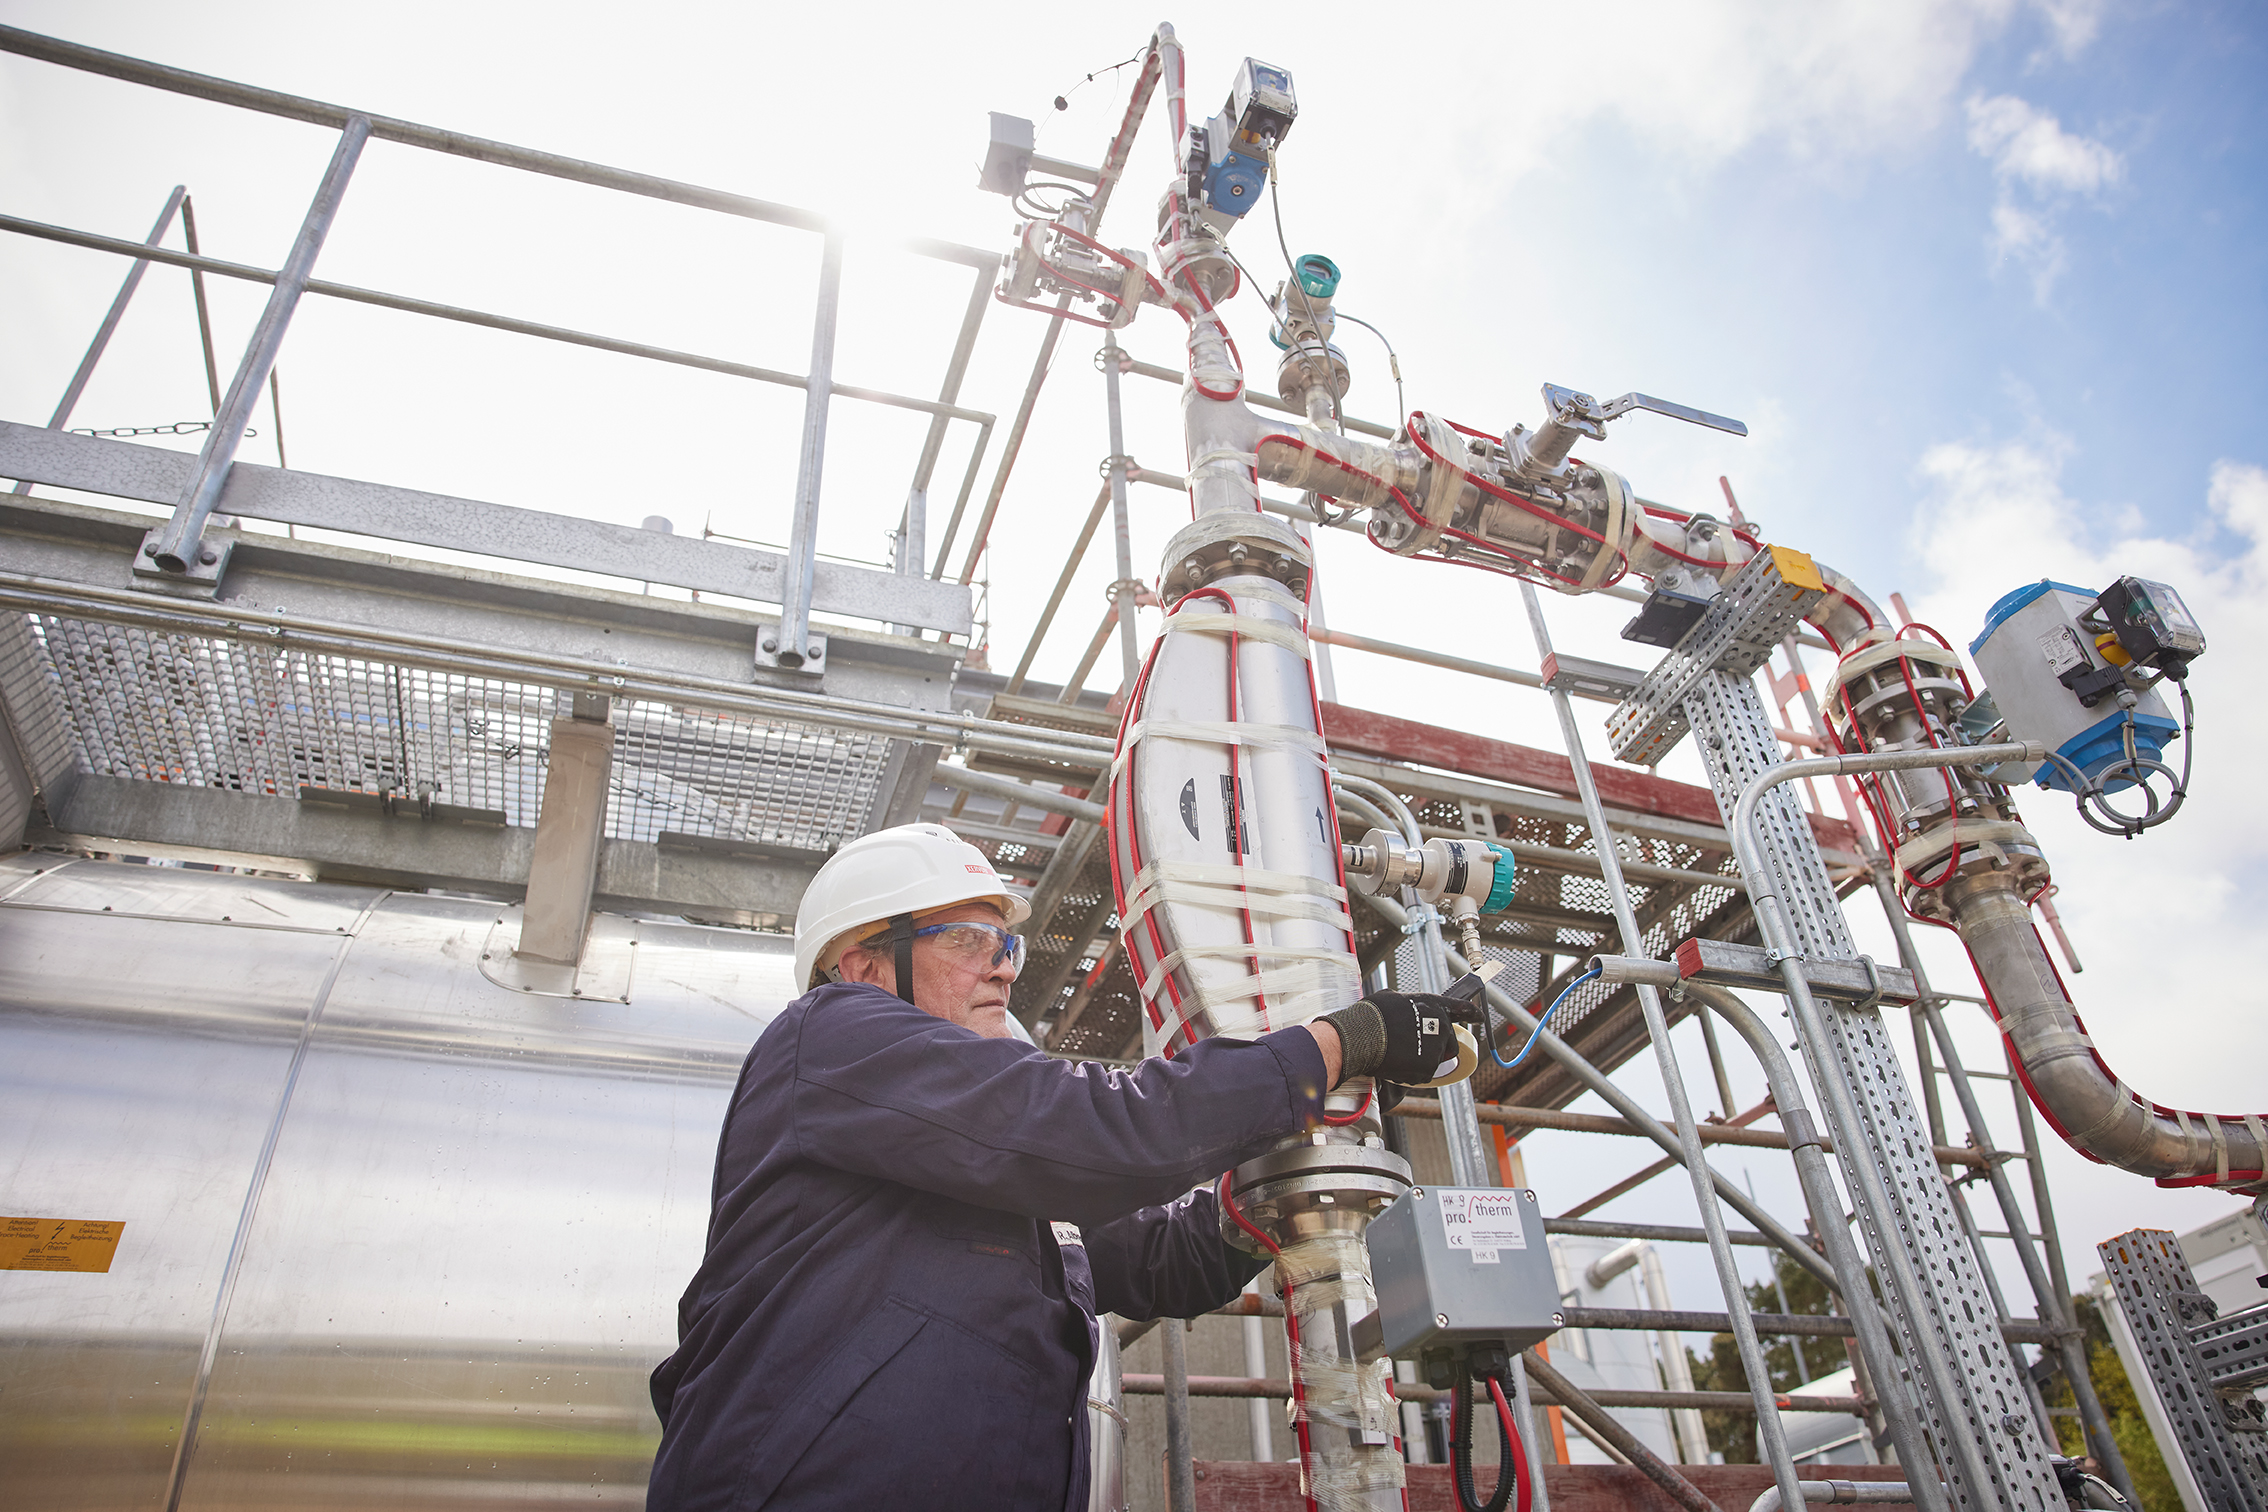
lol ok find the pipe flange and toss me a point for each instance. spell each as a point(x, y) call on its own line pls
point(1234, 545)
point(1311, 364)
point(1295, 1192)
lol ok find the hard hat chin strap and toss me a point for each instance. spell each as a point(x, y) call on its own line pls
point(901, 936)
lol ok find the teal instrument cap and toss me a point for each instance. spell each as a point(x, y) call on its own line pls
point(1318, 275)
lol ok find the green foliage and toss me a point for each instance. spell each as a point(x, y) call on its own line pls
point(1732, 1431)
point(2153, 1482)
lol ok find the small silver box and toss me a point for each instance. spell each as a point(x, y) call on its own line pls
point(1462, 1265)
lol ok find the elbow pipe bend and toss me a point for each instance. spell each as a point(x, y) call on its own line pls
point(2079, 1095)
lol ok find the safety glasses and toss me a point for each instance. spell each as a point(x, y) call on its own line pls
point(971, 943)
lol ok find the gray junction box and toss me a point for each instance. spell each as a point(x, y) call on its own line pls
point(1459, 1266)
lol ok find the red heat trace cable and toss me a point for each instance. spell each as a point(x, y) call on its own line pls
point(1522, 1491)
point(1291, 1337)
point(1236, 787)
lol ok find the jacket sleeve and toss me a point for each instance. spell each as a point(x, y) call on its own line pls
point(883, 1089)
point(1168, 1262)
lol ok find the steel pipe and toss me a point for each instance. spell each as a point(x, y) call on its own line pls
point(452, 143)
point(1841, 1493)
point(198, 263)
point(1944, 1376)
point(1826, 1204)
point(1026, 794)
point(179, 546)
point(1279, 1389)
point(790, 642)
point(1607, 1429)
point(1062, 586)
point(2096, 1114)
point(110, 319)
point(1573, 1062)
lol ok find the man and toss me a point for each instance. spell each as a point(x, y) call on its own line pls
point(895, 1308)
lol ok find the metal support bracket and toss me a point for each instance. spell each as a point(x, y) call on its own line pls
point(1729, 965)
point(1760, 606)
point(199, 579)
point(1590, 679)
point(810, 661)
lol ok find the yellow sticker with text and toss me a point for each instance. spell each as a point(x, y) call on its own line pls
point(58, 1244)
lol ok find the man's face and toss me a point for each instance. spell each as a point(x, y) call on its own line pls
point(958, 989)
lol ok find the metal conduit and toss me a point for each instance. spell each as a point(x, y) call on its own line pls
point(1771, 1440)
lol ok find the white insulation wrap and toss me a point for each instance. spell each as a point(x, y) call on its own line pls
point(1345, 1414)
point(1224, 846)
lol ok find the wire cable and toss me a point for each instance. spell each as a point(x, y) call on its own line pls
point(1393, 359)
point(1568, 992)
point(1276, 208)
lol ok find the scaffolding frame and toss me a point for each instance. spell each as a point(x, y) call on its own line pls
point(1028, 754)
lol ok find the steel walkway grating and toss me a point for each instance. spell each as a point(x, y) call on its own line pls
point(233, 714)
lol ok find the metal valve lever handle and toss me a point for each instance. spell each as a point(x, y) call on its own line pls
point(1583, 407)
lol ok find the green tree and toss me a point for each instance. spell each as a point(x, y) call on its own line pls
point(2153, 1482)
point(1732, 1430)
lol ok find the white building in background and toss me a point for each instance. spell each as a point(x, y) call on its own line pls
point(1602, 1273)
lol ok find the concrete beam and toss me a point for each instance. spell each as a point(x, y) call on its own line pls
point(563, 864)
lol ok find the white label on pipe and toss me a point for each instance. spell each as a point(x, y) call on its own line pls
point(1483, 1222)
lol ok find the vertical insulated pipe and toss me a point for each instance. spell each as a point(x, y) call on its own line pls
point(1769, 1431)
point(791, 642)
point(180, 543)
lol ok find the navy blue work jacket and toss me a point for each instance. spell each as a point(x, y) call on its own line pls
point(885, 1316)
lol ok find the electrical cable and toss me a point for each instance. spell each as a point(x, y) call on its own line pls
point(1568, 992)
point(2092, 794)
point(1522, 1476)
point(1063, 100)
point(1291, 1329)
point(1511, 1456)
point(1393, 360)
point(1276, 208)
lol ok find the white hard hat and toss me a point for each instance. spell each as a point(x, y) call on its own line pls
point(910, 869)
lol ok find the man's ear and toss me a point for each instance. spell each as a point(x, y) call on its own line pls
point(859, 964)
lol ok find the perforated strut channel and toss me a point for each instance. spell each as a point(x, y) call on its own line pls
point(2148, 1271)
point(1952, 1306)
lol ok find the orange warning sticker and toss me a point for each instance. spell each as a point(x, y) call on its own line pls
point(58, 1244)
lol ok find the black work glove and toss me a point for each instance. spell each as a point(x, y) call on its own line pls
point(1412, 1039)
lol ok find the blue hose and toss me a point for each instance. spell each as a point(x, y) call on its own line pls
point(1498, 1055)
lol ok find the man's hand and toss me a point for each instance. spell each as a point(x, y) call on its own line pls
point(1413, 1039)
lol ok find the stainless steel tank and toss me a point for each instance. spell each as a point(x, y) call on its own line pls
point(396, 1235)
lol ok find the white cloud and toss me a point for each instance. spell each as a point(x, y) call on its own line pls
point(2024, 142)
point(2034, 156)
point(2165, 924)
point(2074, 23)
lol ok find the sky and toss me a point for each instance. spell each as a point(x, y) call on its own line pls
point(1982, 276)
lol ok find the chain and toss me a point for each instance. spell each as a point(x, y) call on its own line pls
point(177, 428)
